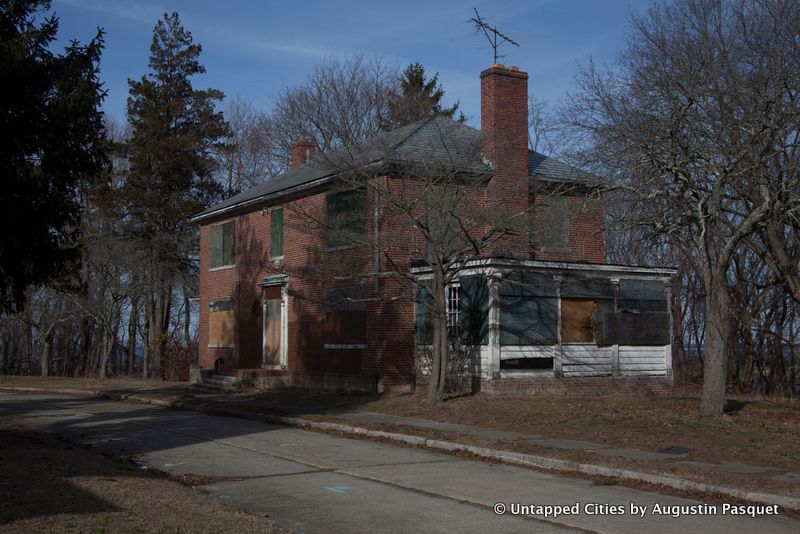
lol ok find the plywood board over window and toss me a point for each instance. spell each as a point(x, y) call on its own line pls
point(221, 322)
point(576, 320)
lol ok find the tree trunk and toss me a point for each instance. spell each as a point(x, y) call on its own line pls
point(133, 321)
point(717, 316)
point(47, 350)
point(439, 348)
point(147, 338)
point(187, 317)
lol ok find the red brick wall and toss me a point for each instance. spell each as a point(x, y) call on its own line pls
point(390, 312)
point(586, 227)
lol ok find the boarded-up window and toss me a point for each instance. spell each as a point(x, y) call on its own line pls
point(576, 320)
point(346, 315)
point(221, 322)
point(528, 310)
point(276, 233)
point(554, 223)
point(473, 314)
point(637, 329)
point(641, 296)
point(223, 244)
point(347, 217)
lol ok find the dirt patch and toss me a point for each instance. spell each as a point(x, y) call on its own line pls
point(48, 485)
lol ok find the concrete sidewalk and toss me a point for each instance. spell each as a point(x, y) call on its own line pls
point(357, 423)
point(316, 482)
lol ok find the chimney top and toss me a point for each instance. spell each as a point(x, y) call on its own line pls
point(302, 152)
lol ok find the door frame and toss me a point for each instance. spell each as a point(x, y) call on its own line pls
point(272, 281)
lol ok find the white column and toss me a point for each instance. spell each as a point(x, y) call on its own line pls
point(668, 348)
point(494, 326)
point(263, 328)
point(557, 360)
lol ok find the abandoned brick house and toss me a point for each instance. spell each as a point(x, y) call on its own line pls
point(551, 316)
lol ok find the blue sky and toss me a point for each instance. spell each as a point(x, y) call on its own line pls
point(254, 48)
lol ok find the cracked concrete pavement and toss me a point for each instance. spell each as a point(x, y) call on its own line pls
point(314, 482)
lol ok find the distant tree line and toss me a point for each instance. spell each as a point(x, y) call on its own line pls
point(100, 274)
point(695, 129)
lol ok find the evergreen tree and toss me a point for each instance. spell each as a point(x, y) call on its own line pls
point(171, 176)
point(51, 138)
point(418, 98)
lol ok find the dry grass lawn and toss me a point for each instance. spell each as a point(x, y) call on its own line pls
point(47, 485)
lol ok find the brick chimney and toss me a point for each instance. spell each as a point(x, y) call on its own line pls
point(504, 118)
point(302, 152)
point(504, 124)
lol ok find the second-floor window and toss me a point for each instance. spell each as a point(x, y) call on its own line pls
point(276, 233)
point(554, 223)
point(347, 217)
point(223, 244)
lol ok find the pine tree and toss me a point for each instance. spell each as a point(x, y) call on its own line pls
point(171, 177)
point(418, 98)
point(51, 138)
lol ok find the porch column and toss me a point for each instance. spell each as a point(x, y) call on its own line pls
point(494, 326)
point(263, 328)
point(615, 348)
point(557, 357)
point(668, 348)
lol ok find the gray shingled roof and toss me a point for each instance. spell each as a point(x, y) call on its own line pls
point(433, 141)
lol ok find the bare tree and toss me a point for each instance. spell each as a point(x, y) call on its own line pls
point(698, 124)
point(341, 103)
point(245, 157)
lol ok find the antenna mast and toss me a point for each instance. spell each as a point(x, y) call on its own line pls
point(480, 25)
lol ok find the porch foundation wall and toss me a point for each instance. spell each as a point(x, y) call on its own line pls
point(579, 386)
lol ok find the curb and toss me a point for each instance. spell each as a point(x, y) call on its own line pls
point(517, 458)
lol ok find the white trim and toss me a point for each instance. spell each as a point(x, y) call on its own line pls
point(479, 267)
point(345, 346)
point(222, 346)
point(221, 267)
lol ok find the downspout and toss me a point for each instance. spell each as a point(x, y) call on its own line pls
point(377, 251)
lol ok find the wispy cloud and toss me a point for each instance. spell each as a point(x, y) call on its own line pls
point(127, 10)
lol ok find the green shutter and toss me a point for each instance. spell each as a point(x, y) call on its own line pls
point(347, 216)
point(228, 243)
point(424, 327)
point(276, 233)
point(216, 246)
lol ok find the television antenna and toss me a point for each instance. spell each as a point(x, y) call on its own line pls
point(492, 33)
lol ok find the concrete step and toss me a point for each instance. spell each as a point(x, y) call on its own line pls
point(226, 378)
point(222, 384)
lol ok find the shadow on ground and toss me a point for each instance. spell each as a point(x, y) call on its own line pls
point(35, 472)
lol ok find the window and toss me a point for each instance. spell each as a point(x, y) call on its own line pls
point(347, 217)
point(577, 320)
point(453, 305)
point(221, 324)
point(223, 244)
point(276, 233)
point(555, 223)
